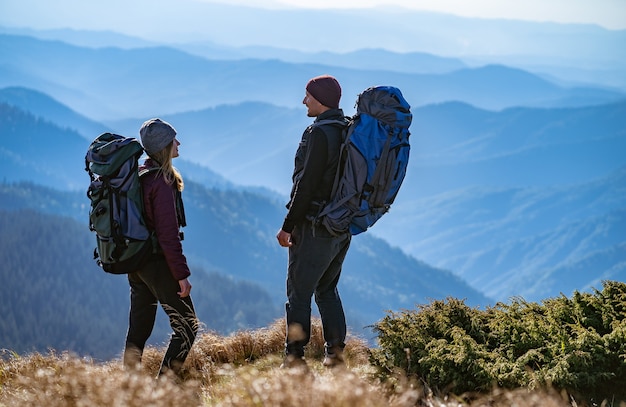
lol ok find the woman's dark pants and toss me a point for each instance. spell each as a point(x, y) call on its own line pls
point(151, 285)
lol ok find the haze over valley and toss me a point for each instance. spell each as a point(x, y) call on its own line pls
point(516, 183)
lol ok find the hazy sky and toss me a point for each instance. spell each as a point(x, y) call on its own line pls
point(269, 23)
point(608, 13)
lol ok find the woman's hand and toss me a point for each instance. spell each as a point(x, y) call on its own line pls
point(185, 288)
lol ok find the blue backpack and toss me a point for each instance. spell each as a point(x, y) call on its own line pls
point(373, 161)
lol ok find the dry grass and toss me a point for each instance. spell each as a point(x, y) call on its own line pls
point(235, 371)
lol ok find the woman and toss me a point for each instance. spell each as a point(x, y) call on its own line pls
point(164, 278)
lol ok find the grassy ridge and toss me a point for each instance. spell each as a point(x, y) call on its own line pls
point(238, 370)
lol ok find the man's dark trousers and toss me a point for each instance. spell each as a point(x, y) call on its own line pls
point(315, 261)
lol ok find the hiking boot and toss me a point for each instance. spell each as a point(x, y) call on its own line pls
point(293, 361)
point(333, 359)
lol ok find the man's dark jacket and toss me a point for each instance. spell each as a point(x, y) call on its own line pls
point(315, 167)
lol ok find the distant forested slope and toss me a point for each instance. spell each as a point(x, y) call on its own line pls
point(54, 296)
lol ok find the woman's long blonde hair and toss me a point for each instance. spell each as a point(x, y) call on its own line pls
point(170, 173)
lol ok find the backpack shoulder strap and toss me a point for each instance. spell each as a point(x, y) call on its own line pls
point(330, 121)
point(178, 199)
point(344, 124)
point(336, 122)
point(146, 171)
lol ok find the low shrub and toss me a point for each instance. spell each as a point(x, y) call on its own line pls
point(575, 344)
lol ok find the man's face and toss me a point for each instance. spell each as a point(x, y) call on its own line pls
point(314, 108)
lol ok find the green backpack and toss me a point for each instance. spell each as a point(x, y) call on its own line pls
point(123, 241)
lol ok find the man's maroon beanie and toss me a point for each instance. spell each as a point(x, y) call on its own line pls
point(326, 90)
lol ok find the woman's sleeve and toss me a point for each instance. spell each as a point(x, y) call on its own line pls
point(167, 230)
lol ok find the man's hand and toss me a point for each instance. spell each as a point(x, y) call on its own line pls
point(284, 238)
point(185, 288)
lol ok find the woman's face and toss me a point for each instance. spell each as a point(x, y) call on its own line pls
point(175, 145)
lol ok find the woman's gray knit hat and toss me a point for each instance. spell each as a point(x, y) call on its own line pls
point(156, 134)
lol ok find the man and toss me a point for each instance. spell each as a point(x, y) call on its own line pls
point(315, 256)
